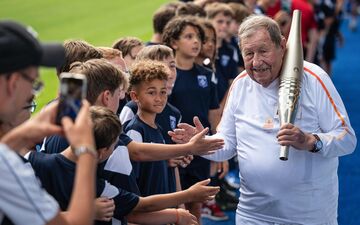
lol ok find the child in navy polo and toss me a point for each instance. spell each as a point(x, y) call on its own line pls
point(194, 94)
point(226, 63)
point(169, 117)
point(106, 86)
point(57, 171)
point(148, 90)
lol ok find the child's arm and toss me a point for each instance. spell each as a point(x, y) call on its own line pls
point(166, 216)
point(178, 184)
point(199, 192)
point(198, 145)
point(81, 207)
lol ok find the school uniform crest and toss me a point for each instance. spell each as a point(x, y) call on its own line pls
point(202, 81)
point(225, 60)
point(172, 122)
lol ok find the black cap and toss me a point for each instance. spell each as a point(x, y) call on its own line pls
point(19, 48)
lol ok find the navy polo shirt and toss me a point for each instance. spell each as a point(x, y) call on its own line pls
point(234, 42)
point(226, 68)
point(168, 120)
point(54, 144)
point(57, 175)
point(118, 169)
point(152, 177)
point(195, 94)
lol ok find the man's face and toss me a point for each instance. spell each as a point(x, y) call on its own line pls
point(21, 92)
point(262, 58)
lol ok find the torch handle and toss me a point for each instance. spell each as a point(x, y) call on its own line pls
point(284, 153)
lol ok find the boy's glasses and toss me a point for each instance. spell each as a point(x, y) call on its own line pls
point(31, 107)
point(37, 84)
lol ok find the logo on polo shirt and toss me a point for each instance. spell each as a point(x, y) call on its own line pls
point(202, 81)
point(269, 123)
point(172, 122)
point(225, 60)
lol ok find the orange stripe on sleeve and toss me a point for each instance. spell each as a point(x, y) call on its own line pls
point(328, 95)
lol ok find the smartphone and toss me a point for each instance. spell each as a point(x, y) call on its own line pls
point(73, 88)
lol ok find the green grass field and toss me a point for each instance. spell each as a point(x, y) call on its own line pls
point(98, 22)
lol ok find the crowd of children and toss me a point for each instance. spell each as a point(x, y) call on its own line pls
point(140, 91)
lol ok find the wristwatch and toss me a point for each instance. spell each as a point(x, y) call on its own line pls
point(83, 149)
point(317, 145)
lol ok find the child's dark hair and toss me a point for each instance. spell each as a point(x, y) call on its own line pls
point(147, 71)
point(213, 9)
point(106, 125)
point(176, 26)
point(161, 17)
point(240, 11)
point(190, 8)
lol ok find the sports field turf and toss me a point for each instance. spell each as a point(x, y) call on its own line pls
point(98, 22)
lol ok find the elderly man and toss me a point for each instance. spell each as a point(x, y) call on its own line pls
point(22, 200)
point(304, 189)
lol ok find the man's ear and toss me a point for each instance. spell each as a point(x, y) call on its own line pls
point(101, 153)
point(283, 44)
point(106, 97)
point(174, 45)
point(12, 83)
point(133, 96)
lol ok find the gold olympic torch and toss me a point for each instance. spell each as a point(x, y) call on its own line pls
point(290, 77)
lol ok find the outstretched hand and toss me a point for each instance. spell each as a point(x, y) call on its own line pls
point(185, 131)
point(204, 146)
point(200, 192)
